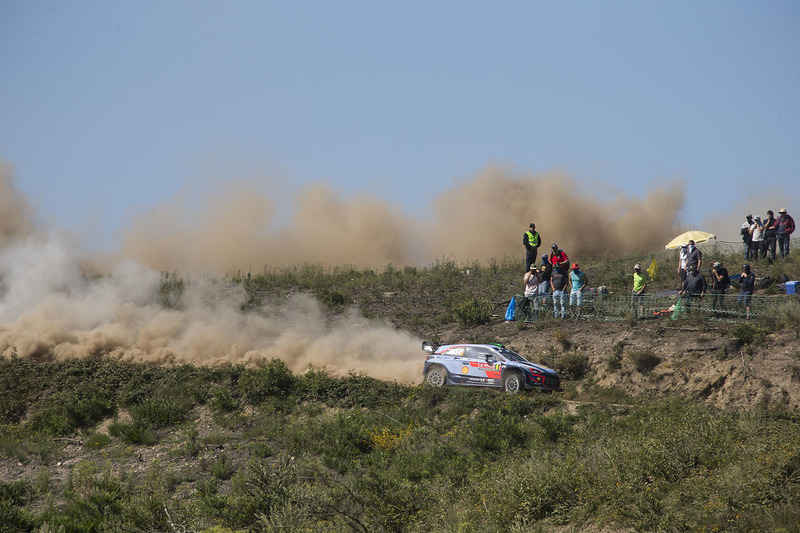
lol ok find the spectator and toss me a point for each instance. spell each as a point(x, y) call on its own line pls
point(719, 284)
point(577, 282)
point(770, 237)
point(746, 237)
point(784, 231)
point(748, 284)
point(531, 280)
point(559, 259)
point(558, 281)
point(546, 272)
point(757, 232)
point(695, 258)
point(693, 288)
point(683, 257)
point(637, 298)
point(532, 241)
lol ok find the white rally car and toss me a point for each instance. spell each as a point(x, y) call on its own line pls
point(485, 365)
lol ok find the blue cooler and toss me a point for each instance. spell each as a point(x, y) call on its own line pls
point(791, 287)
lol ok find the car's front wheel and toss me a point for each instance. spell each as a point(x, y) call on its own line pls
point(436, 376)
point(512, 383)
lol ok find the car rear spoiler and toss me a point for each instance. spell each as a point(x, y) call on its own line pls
point(430, 346)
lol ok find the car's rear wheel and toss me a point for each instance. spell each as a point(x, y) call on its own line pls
point(512, 383)
point(436, 376)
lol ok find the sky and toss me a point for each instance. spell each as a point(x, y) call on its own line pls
point(115, 116)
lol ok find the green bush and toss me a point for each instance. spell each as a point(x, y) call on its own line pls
point(473, 311)
point(162, 410)
point(749, 333)
point(644, 361)
point(96, 441)
point(135, 433)
point(271, 379)
point(70, 411)
point(14, 496)
point(332, 298)
point(574, 365)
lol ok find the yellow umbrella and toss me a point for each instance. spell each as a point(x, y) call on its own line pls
point(699, 237)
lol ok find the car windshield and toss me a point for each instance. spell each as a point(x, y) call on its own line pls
point(512, 356)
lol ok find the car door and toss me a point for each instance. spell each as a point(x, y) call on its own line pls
point(482, 367)
point(454, 360)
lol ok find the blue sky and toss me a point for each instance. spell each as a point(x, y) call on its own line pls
point(109, 108)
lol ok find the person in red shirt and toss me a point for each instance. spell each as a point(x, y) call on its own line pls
point(784, 229)
point(559, 259)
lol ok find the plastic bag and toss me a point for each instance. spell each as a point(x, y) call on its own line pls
point(512, 308)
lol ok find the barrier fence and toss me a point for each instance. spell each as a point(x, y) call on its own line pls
point(655, 306)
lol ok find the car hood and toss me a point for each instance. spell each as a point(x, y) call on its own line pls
point(538, 368)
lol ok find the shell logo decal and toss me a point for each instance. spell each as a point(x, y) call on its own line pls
point(465, 370)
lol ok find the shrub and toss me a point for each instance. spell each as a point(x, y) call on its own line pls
point(132, 433)
point(73, 410)
point(562, 340)
point(749, 333)
point(331, 298)
point(473, 311)
point(644, 361)
point(574, 365)
point(162, 410)
point(96, 441)
point(223, 400)
point(614, 361)
point(222, 468)
point(270, 379)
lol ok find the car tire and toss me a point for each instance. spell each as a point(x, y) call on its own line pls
point(513, 382)
point(436, 376)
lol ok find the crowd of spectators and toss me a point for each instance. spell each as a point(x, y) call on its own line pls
point(564, 284)
point(760, 237)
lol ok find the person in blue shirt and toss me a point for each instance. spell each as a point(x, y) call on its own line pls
point(577, 282)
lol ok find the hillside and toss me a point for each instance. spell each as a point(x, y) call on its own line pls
point(684, 425)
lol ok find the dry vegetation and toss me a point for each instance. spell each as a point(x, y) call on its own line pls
point(686, 425)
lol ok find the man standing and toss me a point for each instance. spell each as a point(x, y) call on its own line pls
point(757, 233)
point(531, 281)
point(695, 258)
point(577, 282)
point(558, 281)
point(531, 240)
point(748, 284)
point(746, 237)
point(546, 273)
point(639, 284)
point(719, 284)
point(559, 259)
point(693, 288)
point(770, 236)
point(683, 257)
point(784, 231)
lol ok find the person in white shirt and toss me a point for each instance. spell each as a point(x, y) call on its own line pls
point(532, 280)
point(757, 232)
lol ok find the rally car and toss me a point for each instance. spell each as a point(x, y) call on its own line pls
point(485, 365)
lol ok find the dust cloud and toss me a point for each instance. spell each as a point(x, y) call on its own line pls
point(480, 219)
point(56, 303)
point(51, 310)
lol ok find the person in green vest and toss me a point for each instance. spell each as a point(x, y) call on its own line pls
point(531, 240)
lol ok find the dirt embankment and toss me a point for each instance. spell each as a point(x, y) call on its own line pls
point(702, 361)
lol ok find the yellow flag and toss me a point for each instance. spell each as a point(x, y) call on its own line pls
point(652, 270)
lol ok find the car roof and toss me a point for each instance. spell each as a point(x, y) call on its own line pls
point(465, 345)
